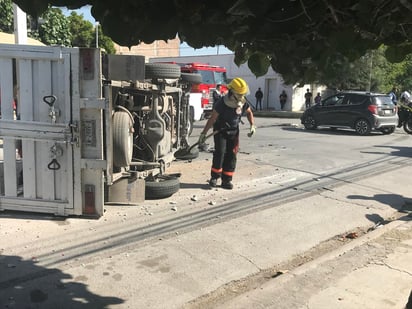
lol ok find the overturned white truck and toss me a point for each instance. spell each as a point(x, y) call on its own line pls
point(78, 130)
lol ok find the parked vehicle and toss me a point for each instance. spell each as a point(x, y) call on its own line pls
point(361, 111)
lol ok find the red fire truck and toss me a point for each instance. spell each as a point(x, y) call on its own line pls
point(212, 75)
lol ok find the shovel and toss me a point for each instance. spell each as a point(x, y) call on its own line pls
point(192, 152)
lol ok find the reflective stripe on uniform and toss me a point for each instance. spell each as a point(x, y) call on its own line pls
point(228, 173)
point(217, 170)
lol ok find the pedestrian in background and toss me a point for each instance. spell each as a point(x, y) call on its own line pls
point(225, 119)
point(308, 98)
point(393, 95)
point(217, 94)
point(318, 98)
point(283, 97)
point(259, 96)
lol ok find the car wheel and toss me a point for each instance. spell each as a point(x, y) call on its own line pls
point(387, 130)
point(161, 186)
point(407, 126)
point(122, 138)
point(309, 122)
point(362, 127)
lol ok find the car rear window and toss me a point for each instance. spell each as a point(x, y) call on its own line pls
point(353, 99)
point(381, 100)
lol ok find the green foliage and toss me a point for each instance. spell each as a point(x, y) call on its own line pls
point(54, 30)
point(304, 40)
point(6, 16)
point(81, 30)
point(83, 34)
point(105, 42)
point(259, 63)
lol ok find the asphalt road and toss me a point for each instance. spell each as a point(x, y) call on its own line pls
point(294, 191)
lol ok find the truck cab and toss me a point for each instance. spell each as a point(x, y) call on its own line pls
point(211, 76)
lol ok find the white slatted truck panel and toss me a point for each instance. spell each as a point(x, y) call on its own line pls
point(47, 82)
point(92, 107)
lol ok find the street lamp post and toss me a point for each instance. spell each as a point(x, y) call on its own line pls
point(97, 34)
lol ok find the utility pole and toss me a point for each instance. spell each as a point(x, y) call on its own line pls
point(370, 71)
point(97, 34)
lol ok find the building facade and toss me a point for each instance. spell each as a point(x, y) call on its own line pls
point(156, 49)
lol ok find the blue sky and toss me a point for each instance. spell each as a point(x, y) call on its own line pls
point(185, 50)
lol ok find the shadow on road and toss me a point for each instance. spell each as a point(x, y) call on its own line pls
point(331, 131)
point(23, 284)
point(397, 202)
point(203, 186)
point(397, 151)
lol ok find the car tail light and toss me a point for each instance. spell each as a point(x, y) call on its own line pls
point(373, 109)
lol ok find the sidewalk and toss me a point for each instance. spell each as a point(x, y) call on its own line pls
point(374, 271)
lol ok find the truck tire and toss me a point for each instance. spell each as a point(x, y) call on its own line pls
point(161, 186)
point(162, 70)
point(192, 78)
point(122, 139)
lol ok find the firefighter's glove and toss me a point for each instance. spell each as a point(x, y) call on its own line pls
point(252, 131)
point(202, 138)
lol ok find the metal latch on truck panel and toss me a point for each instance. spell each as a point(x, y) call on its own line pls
point(53, 112)
point(56, 151)
point(75, 140)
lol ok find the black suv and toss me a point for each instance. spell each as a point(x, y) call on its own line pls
point(361, 111)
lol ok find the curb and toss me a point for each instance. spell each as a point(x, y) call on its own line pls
point(351, 245)
point(262, 295)
point(278, 114)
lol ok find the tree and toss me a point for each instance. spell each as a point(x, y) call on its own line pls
point(294, 37)
point(6, 16)
point(51, 27)
point(54, 28)
point(83, 34)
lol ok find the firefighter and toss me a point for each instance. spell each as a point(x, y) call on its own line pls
point(225, 119)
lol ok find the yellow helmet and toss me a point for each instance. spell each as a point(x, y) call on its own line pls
point(238, 85)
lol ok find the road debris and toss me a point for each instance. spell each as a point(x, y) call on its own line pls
point(352, 235)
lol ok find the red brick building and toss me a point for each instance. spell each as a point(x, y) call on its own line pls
point(156, 49)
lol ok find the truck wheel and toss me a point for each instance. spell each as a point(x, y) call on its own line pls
point(162, 70)
point(161, 186)
point(192, 78)
point(122, 139)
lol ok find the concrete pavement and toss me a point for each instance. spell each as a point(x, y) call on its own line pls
point(373, 271)
point(205, 248)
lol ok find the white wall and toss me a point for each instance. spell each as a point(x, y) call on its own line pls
point(271, 84)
